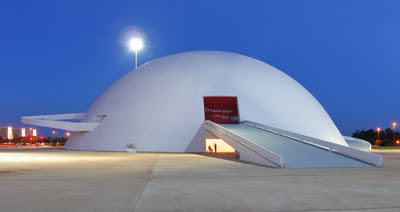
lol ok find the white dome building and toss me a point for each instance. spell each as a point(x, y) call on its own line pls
point(160, 106)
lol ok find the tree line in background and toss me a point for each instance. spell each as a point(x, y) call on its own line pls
point(385, 136)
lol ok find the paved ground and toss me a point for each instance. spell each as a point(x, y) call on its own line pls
point(59, 180)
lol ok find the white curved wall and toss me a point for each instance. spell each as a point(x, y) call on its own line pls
point(357, 143)
point(159, 106)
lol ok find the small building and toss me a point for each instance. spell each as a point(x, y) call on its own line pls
point(10, 132)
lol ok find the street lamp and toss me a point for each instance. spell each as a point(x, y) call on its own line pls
point(67, 134)
point(55, 133)
point(394, 133)
point(378, 129)
point(136, 45)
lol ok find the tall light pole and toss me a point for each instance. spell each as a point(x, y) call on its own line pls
point(56, 134)
point(67, 134)
point(378, 129)
point(394, 133)
point(136, 45)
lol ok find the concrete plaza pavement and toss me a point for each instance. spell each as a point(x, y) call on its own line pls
point(62, 180)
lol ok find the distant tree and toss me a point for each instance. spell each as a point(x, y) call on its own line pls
point(47, 140)
point(382, 135)
point(388, 141)
point(356, 134)
point(386, 136)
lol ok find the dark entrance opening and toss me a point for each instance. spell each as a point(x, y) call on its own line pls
point(221, 109)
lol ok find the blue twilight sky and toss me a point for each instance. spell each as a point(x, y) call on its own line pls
point(59, 56)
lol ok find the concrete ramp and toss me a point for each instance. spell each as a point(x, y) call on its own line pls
point(291, 150)
point(295, 154)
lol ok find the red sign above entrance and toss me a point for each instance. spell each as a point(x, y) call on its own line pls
point(221, 109)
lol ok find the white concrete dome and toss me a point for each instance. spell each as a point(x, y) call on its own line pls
point(159, 106)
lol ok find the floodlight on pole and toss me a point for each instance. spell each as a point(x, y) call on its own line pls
point(136, 45)
point(394, 132)
point(378, 129)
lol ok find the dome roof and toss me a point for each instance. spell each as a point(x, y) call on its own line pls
point(159, 106)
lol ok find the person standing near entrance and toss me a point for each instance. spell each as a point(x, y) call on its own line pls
point(215, 147)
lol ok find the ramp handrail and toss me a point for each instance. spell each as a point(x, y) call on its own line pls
point(272, 157)
point(368, 157)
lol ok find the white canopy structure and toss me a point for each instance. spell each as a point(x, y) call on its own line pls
point(160, 106)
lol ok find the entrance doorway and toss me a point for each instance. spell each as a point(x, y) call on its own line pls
point(221, 109)
point(218, 146)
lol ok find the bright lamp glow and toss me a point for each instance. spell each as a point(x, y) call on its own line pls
point(10, 133)
point(23, 132)
point(136, 44)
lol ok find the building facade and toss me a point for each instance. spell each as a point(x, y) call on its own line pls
point(10, 132)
